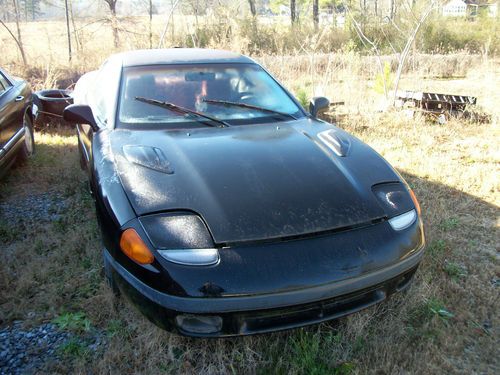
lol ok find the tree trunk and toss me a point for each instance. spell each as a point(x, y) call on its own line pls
point(67, 29)
point(19, 45)
point(19, 39)
point(406, 50)
point(376, 7)
point(150, 24)
point(170, 16)
point(293, 9)
point(75, 31)
point(253, 9)
point(114, 21)
point(316, 14)
point(173, 21)
point(114, 25)
point(393, 9)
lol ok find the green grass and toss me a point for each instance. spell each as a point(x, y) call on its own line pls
point(436, 249)
point(74, 349)
point(449, 224)
point(455, 271)
point(76, 322)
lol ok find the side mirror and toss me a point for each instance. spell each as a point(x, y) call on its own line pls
point(80, 114)
point(318, 105)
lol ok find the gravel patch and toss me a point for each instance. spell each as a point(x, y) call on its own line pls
point(47, 206)
point(25, 351)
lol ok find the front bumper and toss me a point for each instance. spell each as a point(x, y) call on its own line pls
point(273, 311)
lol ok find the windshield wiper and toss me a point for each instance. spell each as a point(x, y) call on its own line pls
point(249, 106)
point(177, 108)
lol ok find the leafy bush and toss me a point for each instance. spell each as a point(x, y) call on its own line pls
point(450, 35)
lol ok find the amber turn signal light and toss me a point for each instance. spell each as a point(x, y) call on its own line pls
point(415, 202)
point(134, 247)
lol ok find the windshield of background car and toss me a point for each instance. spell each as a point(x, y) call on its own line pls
point(189, 86)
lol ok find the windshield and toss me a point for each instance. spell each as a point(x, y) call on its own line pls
point(194, 87)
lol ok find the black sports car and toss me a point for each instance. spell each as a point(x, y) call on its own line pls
point(225, 208)
point(16, 125)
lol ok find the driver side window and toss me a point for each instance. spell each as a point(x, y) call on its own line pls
point(4, 84)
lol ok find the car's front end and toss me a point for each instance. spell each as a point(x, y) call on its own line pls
point(262, 287)
point(219, 251)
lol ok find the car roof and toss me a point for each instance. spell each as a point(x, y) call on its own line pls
point(180, 56)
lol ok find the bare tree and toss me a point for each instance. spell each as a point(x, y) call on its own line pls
point(66, 9)
point(253, 9)
point(316, 13)
point(114, 21)
point(392, 9)
point(150, 24)
point(75, 31)
point(170, 16)
point(19, 44)
point(19, 39)
point(409, 42)
point(407, 31)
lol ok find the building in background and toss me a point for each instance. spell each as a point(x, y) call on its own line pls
point(470, 8)
point(455, 8)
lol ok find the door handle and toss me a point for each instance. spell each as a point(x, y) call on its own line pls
point(20, 98)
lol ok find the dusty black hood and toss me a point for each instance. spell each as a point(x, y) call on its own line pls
point(252, 182)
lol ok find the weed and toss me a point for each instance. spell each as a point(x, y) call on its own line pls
point(455, 271)
point(74, 348)
point(76, 322)
point(449, 224)
point(383, 82)
point(436, 248)
point(8, 233)
point(345, 368)
point(421, 320)
point(116, 328)
point(437, 308)
point(307, 354)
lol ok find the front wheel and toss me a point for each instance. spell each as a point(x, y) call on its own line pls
point(28, 146)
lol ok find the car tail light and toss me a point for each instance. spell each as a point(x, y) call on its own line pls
point(134, 247)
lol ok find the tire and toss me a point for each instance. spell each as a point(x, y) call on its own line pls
point(108, 274)
point(54, 101)
point(28, 147)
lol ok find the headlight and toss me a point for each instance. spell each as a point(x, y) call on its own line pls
point(191, 257)
point(399, 203)
point(403, 221)
point(181, 238)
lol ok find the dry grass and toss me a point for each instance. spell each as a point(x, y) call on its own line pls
point(54, 266)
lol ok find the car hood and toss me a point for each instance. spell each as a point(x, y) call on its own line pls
point(253, 182)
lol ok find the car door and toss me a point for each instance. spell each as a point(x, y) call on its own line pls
point(12, 103)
